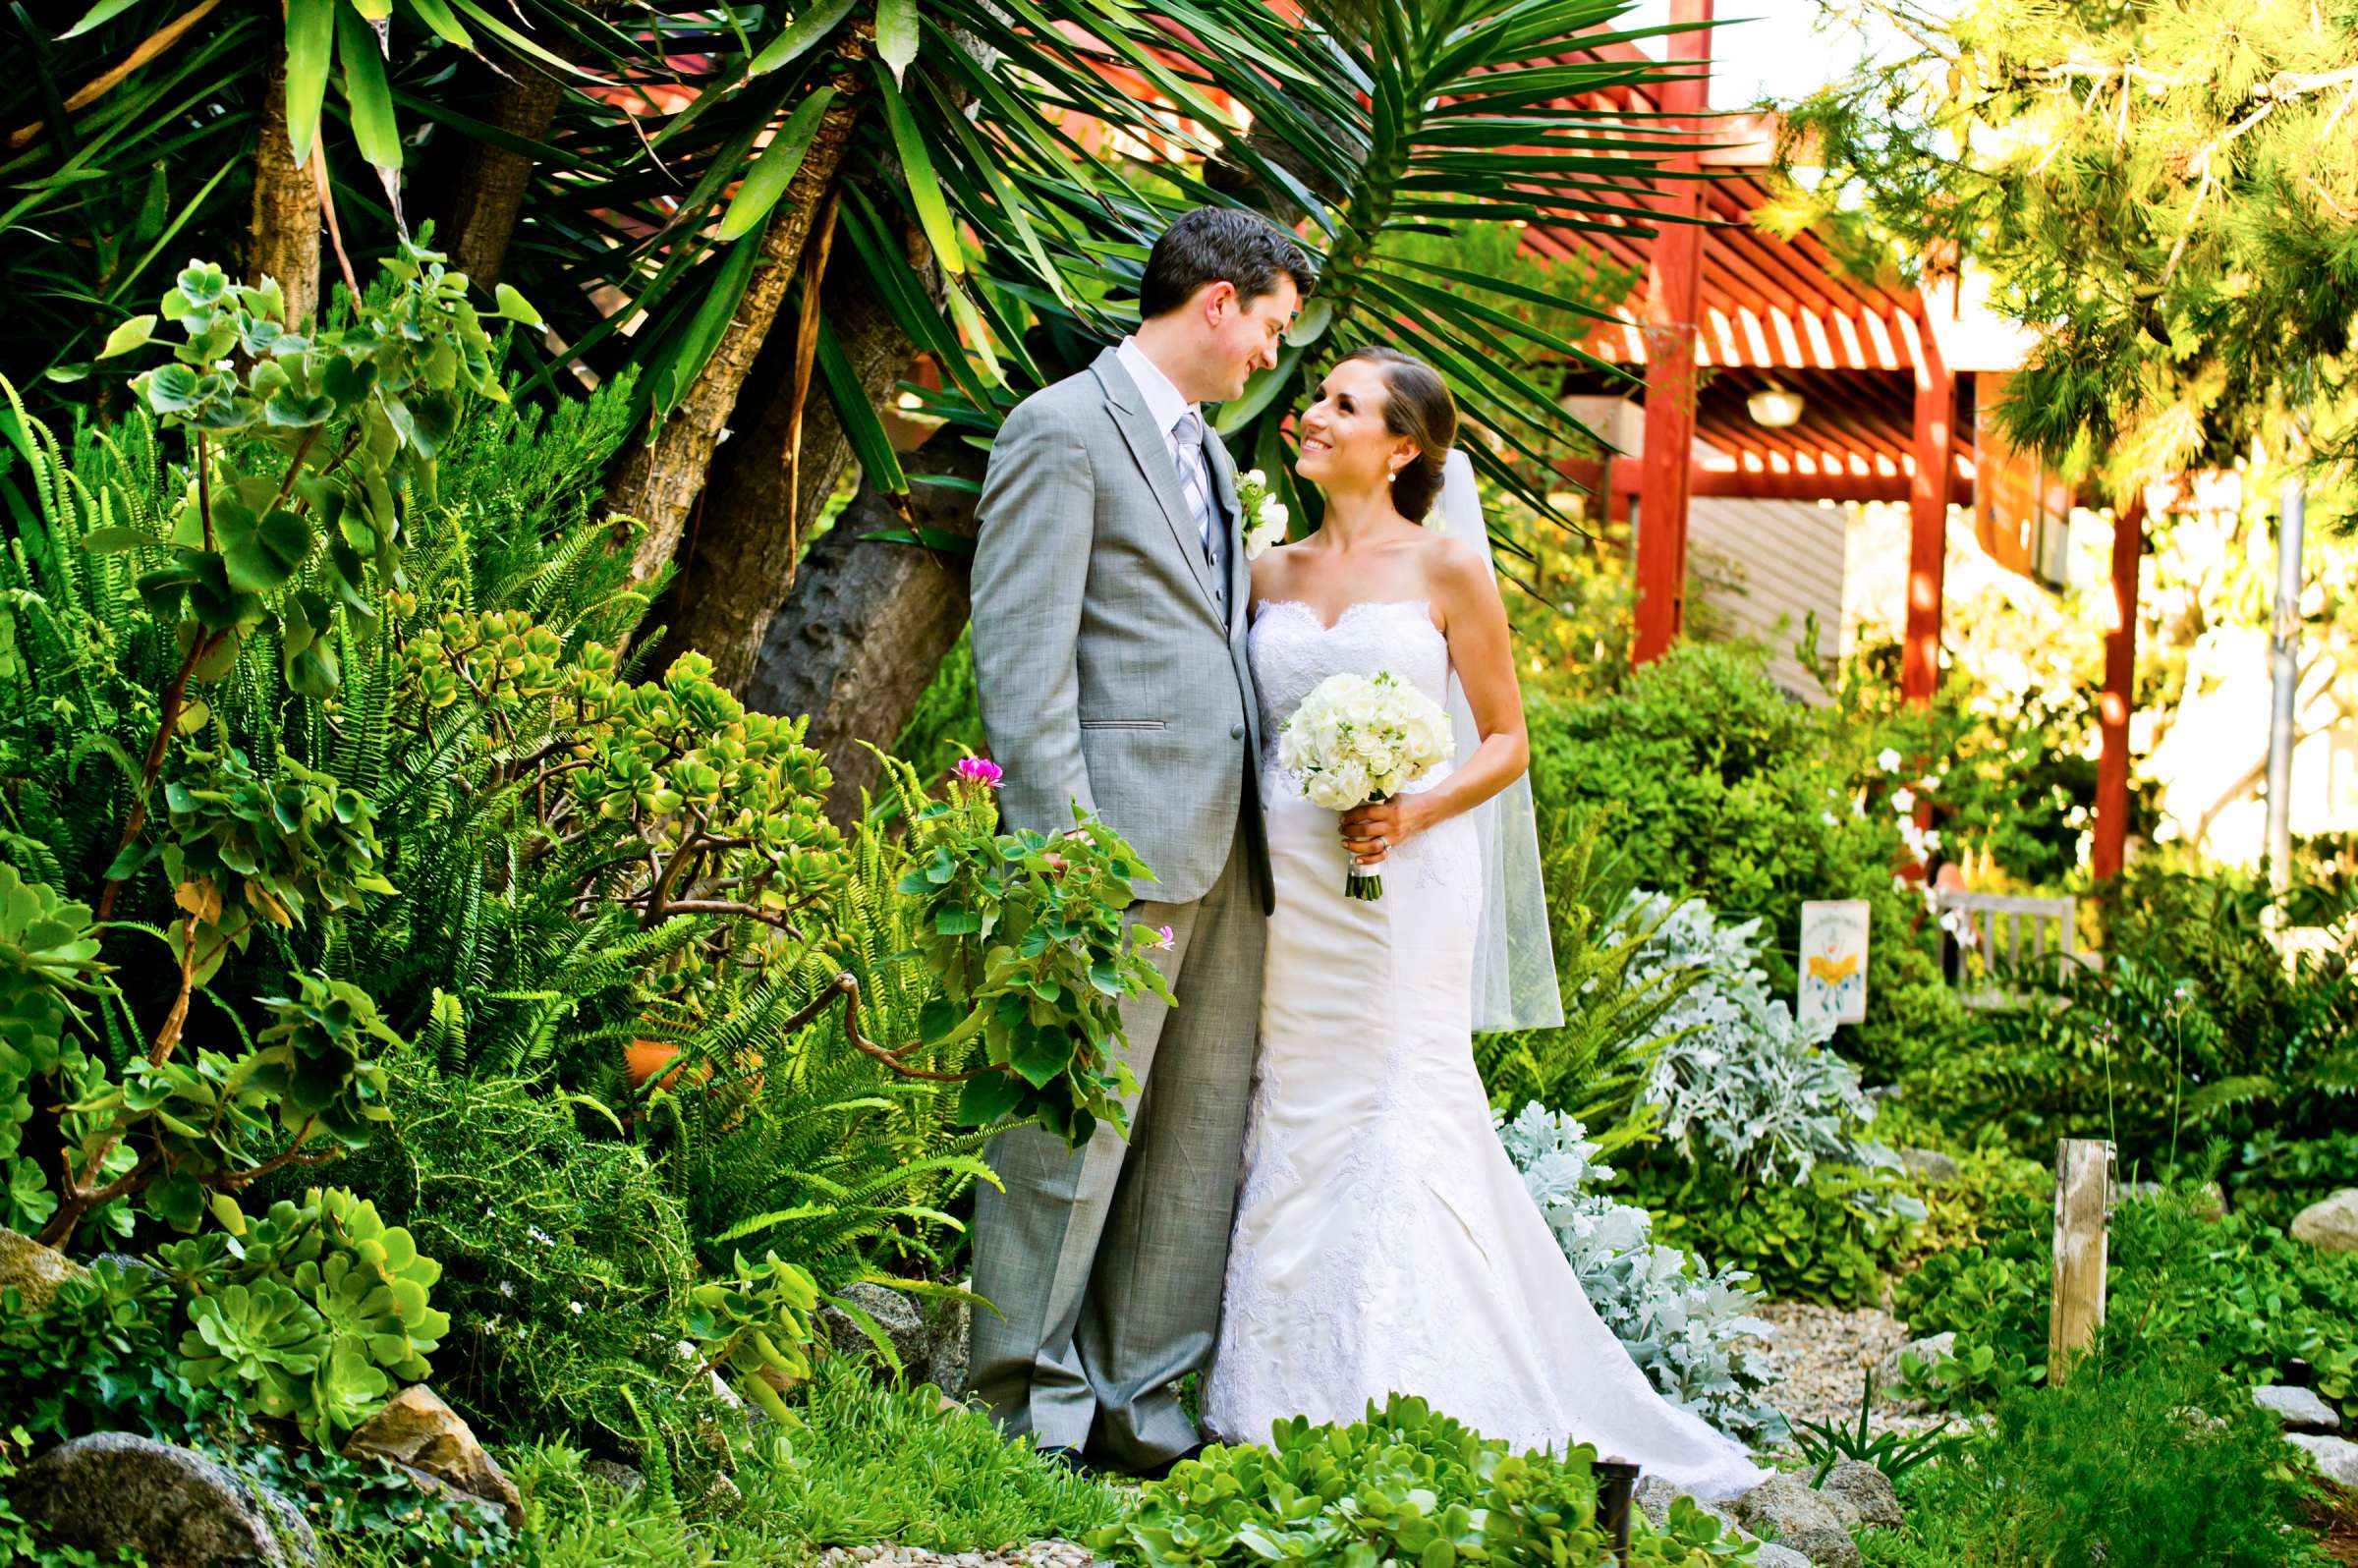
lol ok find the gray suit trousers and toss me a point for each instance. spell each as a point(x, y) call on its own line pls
point(1107, 1263)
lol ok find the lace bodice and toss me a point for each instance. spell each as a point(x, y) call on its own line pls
point(1293, 651)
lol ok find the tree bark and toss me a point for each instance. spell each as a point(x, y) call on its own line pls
point(487, 197)
point(661, 475)
point(283, 236)
point(739, 566)
point(868, 623)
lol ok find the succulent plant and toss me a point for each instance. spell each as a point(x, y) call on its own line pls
point(753, 1325)
point(261, 1339)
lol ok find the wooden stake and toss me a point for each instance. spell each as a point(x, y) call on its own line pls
point(2083, 1184)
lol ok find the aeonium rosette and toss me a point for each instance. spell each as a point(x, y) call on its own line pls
point(1361, 739)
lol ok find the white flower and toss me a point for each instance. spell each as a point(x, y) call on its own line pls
point(540, 1236)
point(1903, 800)
point(1360, 737)
point(575, 1308)
point(1888, 759)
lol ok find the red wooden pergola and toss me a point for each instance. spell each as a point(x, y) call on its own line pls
point(1880, 403)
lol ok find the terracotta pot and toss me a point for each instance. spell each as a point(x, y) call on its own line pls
point(643, 1059)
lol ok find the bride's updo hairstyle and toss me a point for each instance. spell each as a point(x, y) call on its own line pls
point(1417, 403)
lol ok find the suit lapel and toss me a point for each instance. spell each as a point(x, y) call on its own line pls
point(1223, 480)
point(1153, 454)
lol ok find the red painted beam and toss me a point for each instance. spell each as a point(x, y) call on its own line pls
point(1740, 484)
point(2113, 709)
point(1928, 525)
point(1673, 281)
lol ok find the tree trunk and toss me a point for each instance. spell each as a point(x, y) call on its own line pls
point(487, 196)
point(661, 475)
point(739, 568)
point(868, 623)
point(283, 241)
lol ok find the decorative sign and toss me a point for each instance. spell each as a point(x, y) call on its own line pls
point(1833, 961)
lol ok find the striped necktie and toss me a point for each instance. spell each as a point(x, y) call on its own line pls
point(1195, 485)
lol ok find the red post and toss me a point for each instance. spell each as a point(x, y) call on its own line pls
point(1674, 283)
point(2120, 682)
point(1928, 523)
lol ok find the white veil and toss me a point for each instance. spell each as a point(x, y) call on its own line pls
point(1514, 960)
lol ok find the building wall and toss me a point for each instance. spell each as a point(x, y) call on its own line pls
point(1763, 566)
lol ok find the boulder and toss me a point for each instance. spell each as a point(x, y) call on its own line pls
point(615, 1474)
point(1793, 1514)
point(896, 1314)
point(2337, 1457)
point(1863, 1495)
point(35, 1270)
point(1931, 1168)
point(1653, 1496)
point(2299, 1408)
point(2331, 1224)
point(427, 1441)
point(1768, 1555)
point(115, 1492)
point(1932, 1351)
point(949, 1324)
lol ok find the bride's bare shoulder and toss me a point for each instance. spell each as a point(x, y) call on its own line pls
point(1452, 566)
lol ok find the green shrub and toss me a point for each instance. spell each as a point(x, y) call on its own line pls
point(1405, 1485)
point(1829, 1239)
point(2164, 1462)
point(99, 1357)
point(2240, 1291)
point(1724, 786)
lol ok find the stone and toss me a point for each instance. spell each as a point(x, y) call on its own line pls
point(2299, 1409)
point(949, 1324)
point(113, 1490)
point(1768, 1555)
point(425, 1437)
point(1931, 1168)
point(35, 1270)
point(896, 1314)
point(615, 1474)
point(1790, 1511)
point(1932, 1351)
point(2329, 1225)
point(1863, 1495)
point(1653, 1496)
point(2337, 1457)
point(722, 1493)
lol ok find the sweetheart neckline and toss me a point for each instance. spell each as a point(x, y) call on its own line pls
point(1349, 610)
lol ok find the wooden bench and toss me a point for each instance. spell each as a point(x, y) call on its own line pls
point(2012, 935)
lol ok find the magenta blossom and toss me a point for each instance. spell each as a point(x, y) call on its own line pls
point(1162, 940)
point(979, 770)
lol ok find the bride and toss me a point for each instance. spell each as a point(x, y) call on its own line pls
point(1383, 1240)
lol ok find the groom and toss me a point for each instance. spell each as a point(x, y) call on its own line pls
point(1109, 590)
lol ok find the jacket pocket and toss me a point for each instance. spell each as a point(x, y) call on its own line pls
point(1121, 724)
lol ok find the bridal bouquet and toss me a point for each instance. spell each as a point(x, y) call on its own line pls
point(1360, 739)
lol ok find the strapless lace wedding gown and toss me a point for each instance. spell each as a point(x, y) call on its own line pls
point(1383, 1240)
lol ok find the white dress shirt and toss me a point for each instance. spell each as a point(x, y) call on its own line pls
point(1165, 403)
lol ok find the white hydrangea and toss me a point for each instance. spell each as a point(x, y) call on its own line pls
point(1691, 1328)
point(1361, 738)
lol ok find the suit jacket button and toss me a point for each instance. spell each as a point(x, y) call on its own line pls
point(1236, 732)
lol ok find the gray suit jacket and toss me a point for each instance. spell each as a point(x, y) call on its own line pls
point(1107, 673)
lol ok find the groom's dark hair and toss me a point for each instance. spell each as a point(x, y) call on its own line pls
point(1216, 244)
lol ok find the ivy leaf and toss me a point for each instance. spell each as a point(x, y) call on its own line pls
point(957, 923)
point(989, 1097)
point(1040, 1054)
point(173, 389)
point(514, 306)
point(260, 554)
point(132, 334)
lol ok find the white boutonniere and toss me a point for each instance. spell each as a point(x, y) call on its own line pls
point(1264, 516)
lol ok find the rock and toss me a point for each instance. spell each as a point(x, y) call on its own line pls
point(1863, 1495)
point(2337, 1457)
point(615, 1474)
point(129, 1264)
point(423, 1435)
point(33, 1269)
point(1931, 1168)
point(896, 1314)
point(2329, 1225)
point(722, 1493)
point(2299, 1409)
point(113, 1490)
point(1768, 1555)
point(1787, 1510)
point(949, 1323)
point(1932, 1351)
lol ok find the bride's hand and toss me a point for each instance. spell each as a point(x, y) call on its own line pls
point(1369, 833)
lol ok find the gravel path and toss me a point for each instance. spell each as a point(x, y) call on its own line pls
point(1824, 1355)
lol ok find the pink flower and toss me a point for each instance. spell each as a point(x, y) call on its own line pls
point(978, 770)
point(1162, 940)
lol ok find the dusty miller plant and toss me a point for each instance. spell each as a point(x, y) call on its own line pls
point(1742, 1081)
point(1690, 1328)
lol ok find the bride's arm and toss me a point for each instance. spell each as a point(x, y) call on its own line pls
point(1481, 650)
